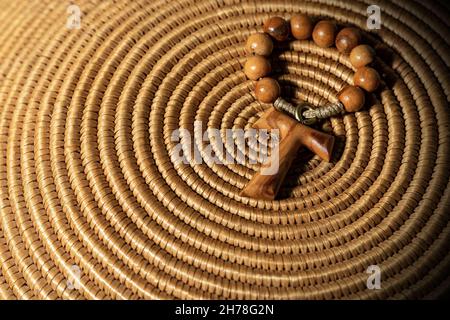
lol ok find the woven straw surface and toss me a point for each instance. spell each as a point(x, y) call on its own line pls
point(87, 185)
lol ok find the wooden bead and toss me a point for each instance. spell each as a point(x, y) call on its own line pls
point(324, 33)
point(362, 55)
point(301, 26)
point(267, 90)
point(352, 98)
point(347, 39)
point(277, 28)
point(257, 67)
point(260, 44)
point(367, 78)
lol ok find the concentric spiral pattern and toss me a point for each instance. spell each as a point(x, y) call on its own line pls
point(92, 205)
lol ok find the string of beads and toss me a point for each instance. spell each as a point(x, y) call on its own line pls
point(324, 34)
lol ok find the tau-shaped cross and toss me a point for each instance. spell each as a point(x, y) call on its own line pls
point(293, 135)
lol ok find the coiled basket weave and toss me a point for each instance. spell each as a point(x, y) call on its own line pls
point(92, 206)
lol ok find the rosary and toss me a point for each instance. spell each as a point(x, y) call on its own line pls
point(293, 121)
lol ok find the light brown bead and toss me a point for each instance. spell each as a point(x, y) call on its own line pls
point(260, 44)
point(301, 26)
point(347, 39)
point(362, 55)
point(267, 90)
point(257, 67)
point(352, 98)
point(277, 27)
point(324, 33)
point(367, 78)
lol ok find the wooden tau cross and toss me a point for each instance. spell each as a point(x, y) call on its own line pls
point(293, 135)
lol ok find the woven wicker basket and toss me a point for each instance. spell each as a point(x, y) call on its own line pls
point(92, 206)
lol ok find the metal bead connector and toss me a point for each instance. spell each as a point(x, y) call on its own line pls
point(324, 112)
point(305, 114)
